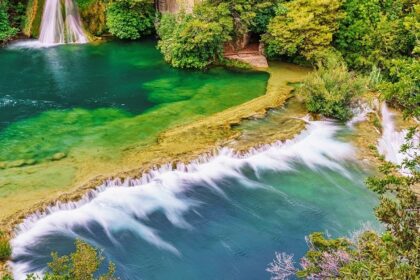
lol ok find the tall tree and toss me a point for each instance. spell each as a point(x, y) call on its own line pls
point(303, 27)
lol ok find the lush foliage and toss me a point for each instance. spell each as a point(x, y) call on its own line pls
point(374, 31)
point(303, 27)
point(83, 264)
point(130, 19)
point(402, 88)
point(331, 89)
point(6, 30)
point(394, 254)
point(195, 40)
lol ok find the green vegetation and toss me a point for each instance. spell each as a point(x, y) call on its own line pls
point(130, 19)
point(6, 30)
point(331, 89)
point(374, 32)
point(403, 86)
point(197, 40)
point(5, 249)
point(93, 14)
point(304, 28)
point(393, 254)
point(83, 264)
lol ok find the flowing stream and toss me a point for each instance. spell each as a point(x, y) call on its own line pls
point(220, 217)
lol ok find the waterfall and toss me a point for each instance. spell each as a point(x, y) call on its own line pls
point(390, 143)
point(59, 29)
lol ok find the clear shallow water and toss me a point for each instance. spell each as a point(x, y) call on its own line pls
point(106, 95)
point(221, 219)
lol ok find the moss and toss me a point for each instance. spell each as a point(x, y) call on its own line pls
point(33, 20)
point(5, 248)
point(93, 14)
point(232, 63)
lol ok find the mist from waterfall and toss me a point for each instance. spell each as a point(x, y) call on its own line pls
point(57, 28)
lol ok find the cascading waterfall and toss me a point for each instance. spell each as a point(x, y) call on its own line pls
point(117, 206)
point(390, 143)
point(59, 29)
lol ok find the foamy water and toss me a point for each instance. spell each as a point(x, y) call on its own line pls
point(118, 205)
point(390, 143)
point(57, 29)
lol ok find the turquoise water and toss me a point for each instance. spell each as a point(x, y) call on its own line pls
point(106, 95)
point(93, 105)
point(222, 219)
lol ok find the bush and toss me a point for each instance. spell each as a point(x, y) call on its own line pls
point(6, 30)
point(403, 86)
point(393, 254)
point(195, 40)
point(373, 32)
point(304, 28)
point(130, 19)
point(83, 264)
point(331, 89)
point(5, 249)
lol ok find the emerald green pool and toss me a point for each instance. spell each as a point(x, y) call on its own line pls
point(105, 96)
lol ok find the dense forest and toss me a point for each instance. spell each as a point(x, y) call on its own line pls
point(354, 46)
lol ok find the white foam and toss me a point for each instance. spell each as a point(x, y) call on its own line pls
point(56, 29)
point(390, 143)
point(119, 205)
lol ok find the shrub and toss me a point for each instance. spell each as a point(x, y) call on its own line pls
point(402, 89)
point(130, 19)
point(5, 249)
point(331, 89)
point(393, 254)
point(195, 40)
point(303, 27)
point(6, 30)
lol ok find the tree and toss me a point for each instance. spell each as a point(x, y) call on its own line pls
point(6, 30)
point(195, 40)
point(331, 89)
point(376, 31)
point(393, 254)
point(303, 27)
point(130, 19)
point(403, 85)
point(83, 264)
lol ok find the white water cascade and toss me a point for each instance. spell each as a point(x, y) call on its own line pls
point(59, 29)
point(390, 143)
point(116, 204)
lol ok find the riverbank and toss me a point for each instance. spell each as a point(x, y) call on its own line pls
point(182, 143)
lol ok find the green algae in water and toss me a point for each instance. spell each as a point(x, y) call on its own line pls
point(104, 97)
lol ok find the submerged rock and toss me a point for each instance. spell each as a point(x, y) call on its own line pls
point(58, 156)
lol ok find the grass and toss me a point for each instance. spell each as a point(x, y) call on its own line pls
point(5, 249)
